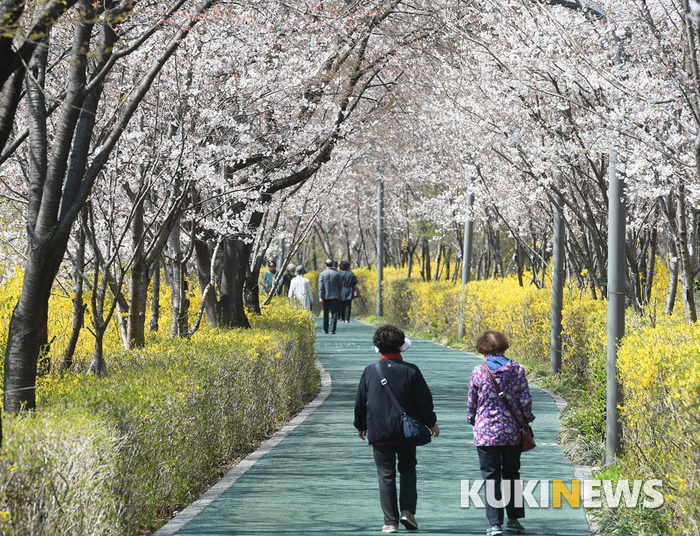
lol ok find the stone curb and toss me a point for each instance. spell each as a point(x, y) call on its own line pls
point(213, 493)
point(581, 472)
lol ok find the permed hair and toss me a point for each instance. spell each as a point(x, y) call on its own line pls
point(492, 342)
point(389, 339)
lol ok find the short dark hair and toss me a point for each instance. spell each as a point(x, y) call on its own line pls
point(389, 339)
point(492, 342)
point(344, 265)
point(272, 264)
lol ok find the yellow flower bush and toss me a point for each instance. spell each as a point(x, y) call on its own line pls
point(660, 372)
point(522, 313)
point(110, 455)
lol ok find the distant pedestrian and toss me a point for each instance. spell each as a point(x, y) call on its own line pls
point(329, 287)
point(269, 279)
point(300, 289)
point(335, 265)
point(497, 436)
point(346, 294)
point(378, 420)
point(287, 278)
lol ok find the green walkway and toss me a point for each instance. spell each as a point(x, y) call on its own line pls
point(321, 478)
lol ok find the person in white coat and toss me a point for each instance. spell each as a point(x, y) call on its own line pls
point(300, 289)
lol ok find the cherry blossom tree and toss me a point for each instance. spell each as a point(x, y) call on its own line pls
point(66, 155)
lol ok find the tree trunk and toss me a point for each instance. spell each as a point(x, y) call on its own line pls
point(139, 275)
point(448, 258)
point(28, 325)
point(251, 289)
point(176, 281)
point(438, 263)
point(204, 260)
point(519, 262)
point(686, 269)
point(78, 305)
point(98, 365)
point(314, 257)
point(651, 265)
point(236, 255)
point(672, 278)
point(427, 272)
point(28, 328)
point(155, 297)
point(348, 247)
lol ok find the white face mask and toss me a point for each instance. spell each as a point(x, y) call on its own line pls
point(405, 346)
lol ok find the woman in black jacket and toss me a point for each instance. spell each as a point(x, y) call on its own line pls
point(378, 420)
point(349, 281)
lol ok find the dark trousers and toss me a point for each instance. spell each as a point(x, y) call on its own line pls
point(345, 309)
point(385, 460)
point(501, 462)
point(330, 308)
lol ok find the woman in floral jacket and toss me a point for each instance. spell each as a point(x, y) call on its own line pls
point(496, 435)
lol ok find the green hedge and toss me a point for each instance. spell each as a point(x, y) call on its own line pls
point(116, 455)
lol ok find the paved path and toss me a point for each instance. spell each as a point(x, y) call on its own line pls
point(321, 478)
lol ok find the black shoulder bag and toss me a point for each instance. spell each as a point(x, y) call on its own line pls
point(415, 432)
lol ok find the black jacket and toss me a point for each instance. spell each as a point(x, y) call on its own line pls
point(349, 281)
point(374, 410)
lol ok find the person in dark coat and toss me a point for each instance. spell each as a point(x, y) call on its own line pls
point(379, 421)
point(349, 281)
point(329, 287)
point(287, 278)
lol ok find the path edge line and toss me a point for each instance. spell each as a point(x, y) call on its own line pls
point(213, 493)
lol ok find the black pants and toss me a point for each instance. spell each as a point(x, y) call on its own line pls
point(501, 462)
point(345, 309)
point(330, 309)
point(385, 460)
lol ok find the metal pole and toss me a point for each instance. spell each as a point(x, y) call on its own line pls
point(466, 260)
point(557, 286)
point(380, 246)
point(616, 306)
point(281, 255)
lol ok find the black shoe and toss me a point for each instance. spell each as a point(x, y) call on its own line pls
point(332, 332)
point(408, 520)
point(324, 331)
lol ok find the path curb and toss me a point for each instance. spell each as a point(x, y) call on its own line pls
point(213, 493)
point(581, 472)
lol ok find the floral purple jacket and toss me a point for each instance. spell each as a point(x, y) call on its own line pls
point(493, 423)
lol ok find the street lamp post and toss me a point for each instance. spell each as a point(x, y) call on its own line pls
point(466, 259)
point(380, 246)
point(616, 306)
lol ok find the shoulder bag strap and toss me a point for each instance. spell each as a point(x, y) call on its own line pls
point(385, 383)
point(502, 396)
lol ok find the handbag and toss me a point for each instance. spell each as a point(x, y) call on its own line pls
point(414, 431)
point(355, 292)
point(528, 438)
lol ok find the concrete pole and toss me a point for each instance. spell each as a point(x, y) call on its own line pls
point(466, 260)
point(616, 306)
point(557, 285)
point(380, 246)
point(280, 262)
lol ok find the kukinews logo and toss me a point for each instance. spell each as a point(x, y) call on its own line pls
point(552, 493)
